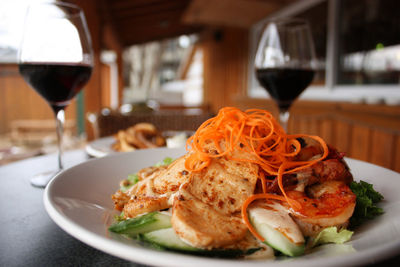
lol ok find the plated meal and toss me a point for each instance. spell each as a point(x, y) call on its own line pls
point(136, 137)
point(146, 135)
point(245, 188)
point(139, 136)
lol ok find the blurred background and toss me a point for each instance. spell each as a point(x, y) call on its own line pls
point(177, 62)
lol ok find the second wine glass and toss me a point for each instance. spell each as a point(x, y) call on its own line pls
point(56, 60)
point(285, 62)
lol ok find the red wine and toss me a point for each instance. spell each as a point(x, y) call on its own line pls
point(284, 85)
point(57, 83)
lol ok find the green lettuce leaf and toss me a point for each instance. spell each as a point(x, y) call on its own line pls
point(366, 208)
point(332, 235)
point(166, 161)
point(129, 182)
point(119, 217)
point(132, 179)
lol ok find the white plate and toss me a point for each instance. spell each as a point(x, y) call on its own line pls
point(79, 201)
point(101, 147)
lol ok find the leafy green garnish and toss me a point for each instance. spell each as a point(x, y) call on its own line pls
point(119, 217)
point(132, 179)
point(332, 235)
point(365, 208)
point(164, 162)
point(129, 182)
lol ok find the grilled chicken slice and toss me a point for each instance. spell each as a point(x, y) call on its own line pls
point(165, 182)
point(153, 192)
point(171, 179)
point(145, 204)
point(224, 184)
point(150, 172)
point(206, 213)
point(120, 199)
point(201, 226)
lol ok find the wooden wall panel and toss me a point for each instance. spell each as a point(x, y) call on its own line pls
point(382, 148)
point(342, 135)
point(313, 126)
point(18, 101)
point(396, 156)
point(359, 143)
point(326, 130)
point(302, 126)
point(292, 124)
point(3, 123)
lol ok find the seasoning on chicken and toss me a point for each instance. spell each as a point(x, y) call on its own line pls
point(202, 225)
point(153, 192)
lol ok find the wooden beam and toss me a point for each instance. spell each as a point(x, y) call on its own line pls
point(155, 32)
point(112, 40)
point(150, 18)
point(92, 91)
point(225, 62)
point(231, 13)
point(110, 34)
point(126, 4)
point(149, 9)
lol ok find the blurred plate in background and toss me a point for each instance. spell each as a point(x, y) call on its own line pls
point(103, 146)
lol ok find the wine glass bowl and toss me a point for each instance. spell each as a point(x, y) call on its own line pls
point(56, 59)
point(285, 62)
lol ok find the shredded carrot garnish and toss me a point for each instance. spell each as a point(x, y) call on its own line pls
point(256, 132)
point(263, 182)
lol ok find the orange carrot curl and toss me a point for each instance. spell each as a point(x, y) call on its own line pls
point(254, 131)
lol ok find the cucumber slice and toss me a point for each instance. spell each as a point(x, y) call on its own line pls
point(142, 224)
point(168, 239)
point(270, 222)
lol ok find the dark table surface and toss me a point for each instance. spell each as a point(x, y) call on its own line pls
point(28, 237)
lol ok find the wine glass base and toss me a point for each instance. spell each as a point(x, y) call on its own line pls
point(42, 179)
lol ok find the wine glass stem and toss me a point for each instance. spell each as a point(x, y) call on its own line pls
point(284, 118)
point(60, 119)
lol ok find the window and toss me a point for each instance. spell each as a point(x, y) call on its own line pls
point(153, 71)
point(369, 42)
point(357, 45)
point(318, 24)
point(12, 14)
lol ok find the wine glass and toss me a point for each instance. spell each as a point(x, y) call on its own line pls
point(56, 59)
point(285, 62)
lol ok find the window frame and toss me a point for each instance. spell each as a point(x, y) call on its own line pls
point(331, 91)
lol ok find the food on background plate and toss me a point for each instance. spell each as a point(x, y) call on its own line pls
point(177, 140)
point(245, 188)
point(141, 135)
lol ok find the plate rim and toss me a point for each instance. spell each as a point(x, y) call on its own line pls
point(160, 258)
point(92, 151)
